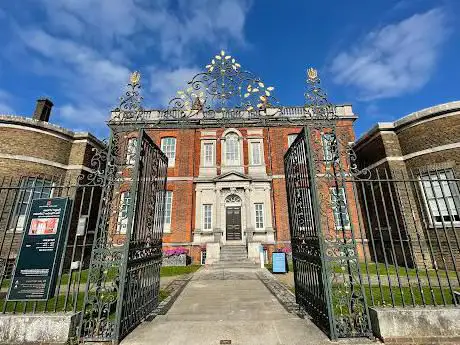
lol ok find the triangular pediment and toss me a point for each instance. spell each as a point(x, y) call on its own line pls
point(232, 176)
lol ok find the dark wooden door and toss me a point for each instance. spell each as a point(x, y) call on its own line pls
point(233, 223)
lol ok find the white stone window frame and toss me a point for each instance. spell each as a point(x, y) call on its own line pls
point(20, 218)
point(251, 144)
point(208, 143)
point(204, 217)
point(165, 147)
point(123, 208)
point(167, 226)
point(131, 150)
point(452, 192)
point(327, 148)
point(225, 135)
point(255, 215)
point(203, 257)
point(342, 190)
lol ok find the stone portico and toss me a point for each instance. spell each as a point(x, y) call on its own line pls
point(239, 193)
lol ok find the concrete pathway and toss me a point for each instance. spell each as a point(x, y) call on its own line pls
point(227, 306)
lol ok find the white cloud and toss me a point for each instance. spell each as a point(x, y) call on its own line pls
point(173, 32)
point(82, 117)
point(394, 60)
point(165, 83)
point(88, 47)
point(89, 80)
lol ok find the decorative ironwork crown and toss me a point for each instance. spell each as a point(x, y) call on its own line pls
point(222, 87)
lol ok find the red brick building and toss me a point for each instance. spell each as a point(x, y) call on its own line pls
point(225, 137)
point(226, 180)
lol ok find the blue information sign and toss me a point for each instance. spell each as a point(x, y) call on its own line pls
point(279, 262)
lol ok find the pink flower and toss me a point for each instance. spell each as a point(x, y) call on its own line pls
point(175, 251)
point(286, 250)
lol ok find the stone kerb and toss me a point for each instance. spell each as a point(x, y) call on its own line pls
point(399, 324)
point(38, 328)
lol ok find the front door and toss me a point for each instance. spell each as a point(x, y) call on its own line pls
point(233, 223)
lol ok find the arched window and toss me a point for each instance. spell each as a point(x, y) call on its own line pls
point(232, 199)
point(232, 149)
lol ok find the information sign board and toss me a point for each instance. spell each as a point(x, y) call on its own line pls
point(279, 262)
point(38, 261)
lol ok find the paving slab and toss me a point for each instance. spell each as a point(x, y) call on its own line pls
point(228, 306)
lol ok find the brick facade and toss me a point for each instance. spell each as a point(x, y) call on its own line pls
point(422, 143)
point(34, 151)
point(192, 184)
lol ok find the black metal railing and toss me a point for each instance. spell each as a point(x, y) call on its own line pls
point(16, 195)
point(368, 238)
point(409, 227)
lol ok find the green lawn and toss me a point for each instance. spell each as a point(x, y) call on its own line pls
point(48, 306)
point(166, 271)
point(42, 306)
point(382, 296)
point(62, 305)
point(372, 268)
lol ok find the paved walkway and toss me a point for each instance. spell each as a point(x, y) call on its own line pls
point(220, 305)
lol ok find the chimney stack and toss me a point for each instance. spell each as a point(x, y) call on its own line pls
point(43, 109)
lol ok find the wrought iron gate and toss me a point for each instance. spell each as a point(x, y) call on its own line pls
point(124, 275)
point(326, 262)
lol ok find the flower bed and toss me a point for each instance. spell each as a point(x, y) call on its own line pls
point(175, 257)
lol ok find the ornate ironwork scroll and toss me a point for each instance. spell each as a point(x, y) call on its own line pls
point(318, 168)
point(123, 277)
point(223, 92)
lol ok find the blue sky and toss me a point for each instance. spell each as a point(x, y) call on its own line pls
point(386, 57)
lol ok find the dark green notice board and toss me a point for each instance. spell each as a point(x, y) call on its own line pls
point(37, 265)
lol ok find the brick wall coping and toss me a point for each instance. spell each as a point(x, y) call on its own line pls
point(436, 110)
point(29, 122)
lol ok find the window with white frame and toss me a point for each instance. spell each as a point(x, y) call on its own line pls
point(203, 257)
point(256, 153)
point(122, 222)
point(339, 207)
point(329, 147)
point(302, 199)
point(291, 138)
point(207, 217)
point(232, 149)
point(442, 198)
point(168, 146)
point(259, 212)
point(208, 152)
point(131, 151)
point(168, 208)
point(31, 188)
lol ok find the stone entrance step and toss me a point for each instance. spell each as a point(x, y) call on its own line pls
point(233, 253)
point(236, 264)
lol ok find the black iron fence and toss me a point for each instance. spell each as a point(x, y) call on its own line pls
point(16, 195)
point(409, 230)
point(387, 237)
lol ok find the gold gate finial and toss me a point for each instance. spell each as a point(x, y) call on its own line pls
point(135, 77)
point(312, 74)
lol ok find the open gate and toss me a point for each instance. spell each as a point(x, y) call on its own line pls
point(123, 280)
point(326, 261)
